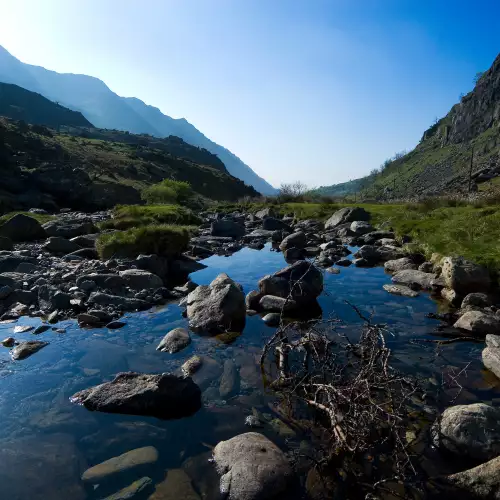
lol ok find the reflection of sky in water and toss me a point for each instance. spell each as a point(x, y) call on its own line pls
point(34, 406)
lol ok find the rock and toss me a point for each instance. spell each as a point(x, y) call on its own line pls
point(191, 366)
point(426, 267)
point(163, 396)
point(85, 240)
point(361, 227)
point(230, 382)
point(348, 214)
point(53, 317)
point(9, 263)
point(397, 265)
point(410, 277)
point(26, 268)
point(107, 280)
point(477, 300)
point(21, 227)
point(491, 354)
point(154, 264)
point(184, 265)
point(252, 300)
point(83, 253)
point(227, 227)
point(332, 270)
point(481, 482)
point(123, 463)
point(451, 296)
point(207, 372)
point(272, 303)
point(265, 212)
point(9, 342)
point(478, 323)
point(88, 285)
point(13, 280)
point(115, 325)
point(343, 262)
point(301, 281)
point(272, 224)
point(469, 430)
point(465, 276)
point(6, 243)
point(138, 279)
point(22, 328)
point(252, 468)
point(368, 252)
point(272, 319)
point(5, 291)
point(176, 486)
point(217, 307)
point(85, 319)
point(122, 303)
point(374, 236)
point(131, 490)
point(57, 244)
point(297, 240)
point(40, 329)
point(293, 254)
point(26, 349)
point(69, 230)
point(253, 421)
point(51, 298)
point(400, 290)
point(174, 341)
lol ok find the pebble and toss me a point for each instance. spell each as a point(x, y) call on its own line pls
point(8, 342)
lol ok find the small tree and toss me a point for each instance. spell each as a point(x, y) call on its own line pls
point(478, 77)
point(294, 191)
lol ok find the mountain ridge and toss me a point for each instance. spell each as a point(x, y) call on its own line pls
point(105, 109)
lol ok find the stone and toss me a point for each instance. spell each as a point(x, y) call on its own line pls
point(478, 323)
point(22, 328)
point(227, 227)
point(138, 279)
point(253, 421)
point(301, 281)
point(293, 254)
point(26, 349)
point(272, 303)
point(121, 464)
point(272, 319)
point(132, 490)
point(21, 227)
point(9, 342)
point(469, 430)
point(252, 300)
point(163, 396)
point(88, 285)
point(273, 224)
point(86, 319)
point(208, 371)
point(465, 276)
point(9, 263)
point(191, 366)
point(252, 468)
point(6, 243)
point(107, 280)
point(85, 240)
point(57, 244)
point(368, 252)
point(400, 290)
point(348, 214)
point(174, 341)
point(115, 325)
point(426, 267)
point(176, 486)
point(154, 264)
point(122, 303)
point(476, 299)
point(481, 482)
point(451, 296)
point(411, 277)
point(229, 383)
point(397, 265)
point(343, 262)
point(265, 212)
point(491, 354)
point(69, 230)
point(297, 240)
point(217, 307)
point(40, 329)
point(26, 268)
point(374, 236)
point(360, 227)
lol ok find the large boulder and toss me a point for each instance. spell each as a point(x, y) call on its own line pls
point(163, 396)
point(140, 280)
point(217, 307)
point(412, 277)
point(479, 323)
point(491, 354)
point(227, 227)
point(21, 227)
point(348, 214)
point(394, 266)
point(469, 430)
point(58, 244)
point(301, 281)
point(360, 227)
point(465, 276)
point(272, 224)
point(154, 264)
point(252, 468)
point(294, 240)
point(10, 263)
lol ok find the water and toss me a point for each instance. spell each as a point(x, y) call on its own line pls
point(46, 442)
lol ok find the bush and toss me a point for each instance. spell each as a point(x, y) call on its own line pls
point(128, 216)
point(163, 240)
point(168, 191)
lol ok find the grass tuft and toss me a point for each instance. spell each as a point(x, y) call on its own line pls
point(42, 219)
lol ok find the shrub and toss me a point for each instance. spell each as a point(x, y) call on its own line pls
point(163, 240)
point(168, 191)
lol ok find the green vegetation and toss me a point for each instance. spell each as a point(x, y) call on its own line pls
point(168, 191)
point(42, 219)
point(162, 239)
point(129, 216)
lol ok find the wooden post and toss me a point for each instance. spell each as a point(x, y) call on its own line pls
point(470, 170)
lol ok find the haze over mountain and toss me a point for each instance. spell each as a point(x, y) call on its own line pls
point(105, 109)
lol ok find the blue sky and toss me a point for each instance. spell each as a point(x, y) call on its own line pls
point(312, 90)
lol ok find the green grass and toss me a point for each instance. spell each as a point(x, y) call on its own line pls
point(164, 240)
point(130, 216)
point(42, 219)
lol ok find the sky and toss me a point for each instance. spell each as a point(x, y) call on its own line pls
point(320, 91)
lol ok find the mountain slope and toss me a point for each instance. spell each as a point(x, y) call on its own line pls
point(21, 104)
point(105, 109)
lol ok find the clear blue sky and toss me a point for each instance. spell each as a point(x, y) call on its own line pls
point(321, 91)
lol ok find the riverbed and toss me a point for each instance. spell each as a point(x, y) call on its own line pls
point(47, 442)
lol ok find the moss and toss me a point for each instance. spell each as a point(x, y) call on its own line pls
point(129, 216)
point(42, 219)
point(162, 239)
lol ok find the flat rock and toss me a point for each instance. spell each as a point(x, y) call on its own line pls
point(410, 277)
point(122, 303)
point(26, 349)
point(397, 265)
point(402, 290)
point(163, 396)
point(139, 279)
point(174, 341)
point(348, 214)
point(57, 244)
point(132, 490)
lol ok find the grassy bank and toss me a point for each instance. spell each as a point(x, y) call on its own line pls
point(42, 219)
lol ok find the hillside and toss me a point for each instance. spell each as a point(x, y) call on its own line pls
point(42, 168)
point(21, 104)
point(342, 189)
point(105, 109)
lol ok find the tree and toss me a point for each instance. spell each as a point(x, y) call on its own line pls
point(478, 77)
point(292, 192)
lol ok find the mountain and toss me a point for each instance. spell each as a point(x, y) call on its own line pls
point(105, 109)
point(21, 104)
point(93, 169)
point(441, 162)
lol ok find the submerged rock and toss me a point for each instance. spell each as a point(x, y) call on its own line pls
point(26, 349)
point(400, 290)
point(163, 396)
point(131, 490)
point(174, 341)
point(252, 468)
point(230, 380)
point(176, 486)
point(191, 366)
